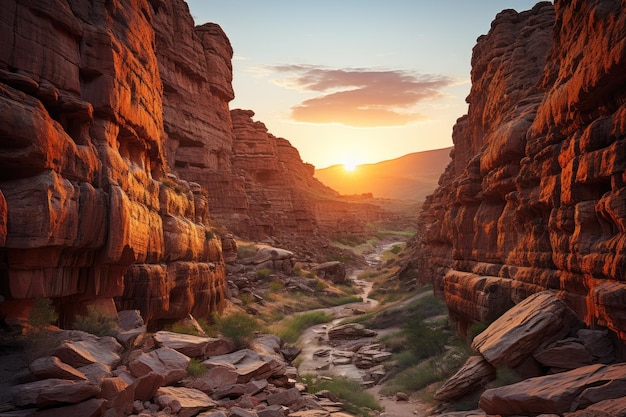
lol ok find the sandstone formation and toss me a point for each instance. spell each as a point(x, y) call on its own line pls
point(534, 196)
point(87, 212)
point(118, 151)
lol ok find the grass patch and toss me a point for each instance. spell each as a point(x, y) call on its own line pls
point(96, 323)
point(352, 396)
point(290, 329)
point(239, 327)
point(195, 368)
point(246, 250)
point(263, 273)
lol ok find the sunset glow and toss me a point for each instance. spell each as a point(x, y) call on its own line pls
point(349, 166)
point(387, 78)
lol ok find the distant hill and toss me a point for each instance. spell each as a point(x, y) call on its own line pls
point(410, 177)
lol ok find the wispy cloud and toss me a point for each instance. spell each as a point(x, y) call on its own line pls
point(361, 97)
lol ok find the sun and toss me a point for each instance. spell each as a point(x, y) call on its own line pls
point(349, 166)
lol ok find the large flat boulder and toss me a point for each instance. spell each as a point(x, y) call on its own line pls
point(517, 333)
point(185, 402)
point(165, 361)
point(557, 393)
point(474, 374)
point(80, 349)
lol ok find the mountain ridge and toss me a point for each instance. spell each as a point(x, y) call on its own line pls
point(409, 177)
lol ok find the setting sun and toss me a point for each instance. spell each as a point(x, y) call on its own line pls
point(349, 166)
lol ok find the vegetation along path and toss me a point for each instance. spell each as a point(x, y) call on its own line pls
point(324, 357)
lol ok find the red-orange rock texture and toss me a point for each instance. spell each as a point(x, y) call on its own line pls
point(535, 198)
point(118, 151)
point(86, 213)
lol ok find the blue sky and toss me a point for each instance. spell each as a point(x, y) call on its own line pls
point(353, 81)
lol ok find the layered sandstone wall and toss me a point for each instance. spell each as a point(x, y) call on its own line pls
point(534, 197)
point(86, 215)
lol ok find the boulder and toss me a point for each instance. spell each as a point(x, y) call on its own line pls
point(93, 407)
point(513, 336)
point(52, 367)
point(607, 408)
point(189, 345)
point(52, 392)
point(349, 331)
point(164, 361)
point(473, 375)
point(146, 386)
point(184, 402)
point(80, 349)
point(558, 393)
point(333, 271)
point(287, 397)
point(215, 378)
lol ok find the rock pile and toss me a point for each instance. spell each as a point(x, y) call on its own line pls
point(92, 376)
point(567, 366)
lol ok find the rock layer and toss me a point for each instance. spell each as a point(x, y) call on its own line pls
point(87, 213)
point(534, 196)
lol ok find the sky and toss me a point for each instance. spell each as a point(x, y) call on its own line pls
point(353, 81)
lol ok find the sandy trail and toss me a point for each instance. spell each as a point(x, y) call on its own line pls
point(315, 339)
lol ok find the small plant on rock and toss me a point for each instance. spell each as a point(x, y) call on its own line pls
point(40, 338)
point(239, 327)
point(195, 368)
point(95, 322)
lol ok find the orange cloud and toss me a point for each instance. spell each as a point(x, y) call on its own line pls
point(360, 97)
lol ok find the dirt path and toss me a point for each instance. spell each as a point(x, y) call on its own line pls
point(315, 340)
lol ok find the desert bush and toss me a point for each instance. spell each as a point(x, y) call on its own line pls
point(239, 327)
point(195, 368)
point(276, 285)
point(182, 328)
point(96, 323)
point(263, 273)
point(423, 340)
point(246, 250)
point(42, 314)
point(354, 399)
point(39, 339)
point(290, 329)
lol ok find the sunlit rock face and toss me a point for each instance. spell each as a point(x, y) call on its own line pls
point(86, 215)
point(534, 197)
point(270, 192)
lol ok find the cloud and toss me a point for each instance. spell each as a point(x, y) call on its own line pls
point(361, 97)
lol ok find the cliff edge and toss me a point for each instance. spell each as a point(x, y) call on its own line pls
point(534, 196)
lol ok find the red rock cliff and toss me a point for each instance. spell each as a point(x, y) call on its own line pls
point(535, 197)
point(85, 215)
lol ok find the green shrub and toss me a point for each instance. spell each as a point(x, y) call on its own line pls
point(195, 368)
point(96, 323)
point(246, 298)
point(263, 273)
point(290, 329)
point(246, 250)
point(423, 340)
point(396, 249)
point(427, 306)
point(354, 399)
point(40, 340)
point(182, 328)
point(42, 314)
point(276, 285)
point(239, 327)
point(320, 285)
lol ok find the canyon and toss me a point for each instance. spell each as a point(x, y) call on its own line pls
point(533, 198)
point(125, 179)
point(122, 168)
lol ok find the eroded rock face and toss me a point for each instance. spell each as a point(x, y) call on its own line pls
point(534, 196)
point(86, 212)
